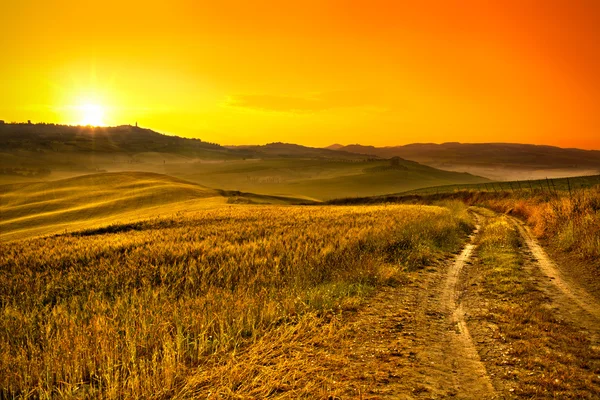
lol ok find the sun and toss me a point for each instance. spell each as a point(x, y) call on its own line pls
point(91, 114)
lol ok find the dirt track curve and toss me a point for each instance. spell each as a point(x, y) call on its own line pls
point(572, 301)
point(470, 374)
point(413, 342)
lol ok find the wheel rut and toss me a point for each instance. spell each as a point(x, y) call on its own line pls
point(571, 300)
point(470, 375)
point(444, 353)
point(413, 341)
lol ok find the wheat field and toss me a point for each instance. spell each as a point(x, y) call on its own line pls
point(134, 310)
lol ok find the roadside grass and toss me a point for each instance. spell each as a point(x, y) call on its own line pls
point(534, 186)
point(568, 221)
point(168, 307)
point(532, 353)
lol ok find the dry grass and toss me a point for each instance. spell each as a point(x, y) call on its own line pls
point(141, 310)
point(569, 222)
point(530, 351)
point(290, 362)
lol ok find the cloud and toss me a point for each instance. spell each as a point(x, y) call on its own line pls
point(311, 103)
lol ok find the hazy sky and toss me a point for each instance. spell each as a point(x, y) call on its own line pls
point(309, 72)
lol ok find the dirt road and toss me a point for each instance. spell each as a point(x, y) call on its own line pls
point(573, 300)
point(469, 374)
point(413, 342)
point(447, 333)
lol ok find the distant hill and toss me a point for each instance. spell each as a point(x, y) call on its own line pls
point(43, 138)
point(501, 161)
point(34, 151)
point(128, 139)
point(45, 152)
point(279, 149)
point(321, 179)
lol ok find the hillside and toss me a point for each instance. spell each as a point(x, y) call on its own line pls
point(38, 150)
point(317, 178)
point(34, 152)
point(125, 138)
point(294, 150)
point(42, 152)
point(32, 209)
point(241, 302)
point(501, 161)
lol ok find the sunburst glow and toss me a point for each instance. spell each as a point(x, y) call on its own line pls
point(386, 72)
point(91, 114)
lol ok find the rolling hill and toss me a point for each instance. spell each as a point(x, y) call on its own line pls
point(47, 151)
point(287, 150)
point(128, 139)
point(317, 178)
point(499, 161)
point(43, 152)
point(33, 209)
point(33, 150)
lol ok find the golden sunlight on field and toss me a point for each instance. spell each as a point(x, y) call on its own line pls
point(137, 309)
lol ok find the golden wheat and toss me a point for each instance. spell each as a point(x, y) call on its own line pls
point(569, 221)
point(133, 312)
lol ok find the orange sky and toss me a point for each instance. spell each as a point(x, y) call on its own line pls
point(310, 72)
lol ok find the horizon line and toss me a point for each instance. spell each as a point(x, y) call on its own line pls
point(4, 122)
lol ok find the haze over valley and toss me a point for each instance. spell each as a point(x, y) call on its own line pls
point(34, 152)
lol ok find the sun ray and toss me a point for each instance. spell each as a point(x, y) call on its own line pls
point(91, 114)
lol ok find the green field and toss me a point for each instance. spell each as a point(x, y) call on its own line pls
point(497, 161)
